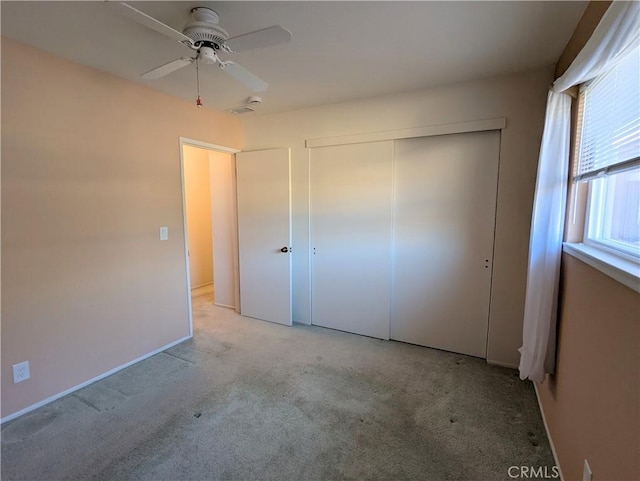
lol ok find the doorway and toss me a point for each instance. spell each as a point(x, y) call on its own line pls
point(209, 213)
point(199, 225)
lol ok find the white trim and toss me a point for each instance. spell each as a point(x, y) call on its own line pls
point(90, 381)
point(234, 234)
point(290, 239)
point(206, 145)
point(392, 238)
point(546, 428)
point(428, 131)
point(309, 244)
point(612, 247)
point(622, 270)
point(311, 236)
point(224, 305)
point(596, 218)
point(186, 237)
point(502, 364)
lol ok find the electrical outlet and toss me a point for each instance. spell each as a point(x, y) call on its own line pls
point(586, 472)
point(20, 372)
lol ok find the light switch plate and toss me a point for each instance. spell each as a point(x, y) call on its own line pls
point(164, 233)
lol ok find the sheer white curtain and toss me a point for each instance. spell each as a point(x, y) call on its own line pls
point(615, 35)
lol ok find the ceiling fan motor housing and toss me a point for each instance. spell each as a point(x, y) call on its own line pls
point(204, 14)
point(204, 28)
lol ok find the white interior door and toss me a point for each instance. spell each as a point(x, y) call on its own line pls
point(224, 228)
point(264, 234)
point(351, 237)
point(444, 218)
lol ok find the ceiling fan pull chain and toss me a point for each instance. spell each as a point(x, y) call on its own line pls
point(198, 101)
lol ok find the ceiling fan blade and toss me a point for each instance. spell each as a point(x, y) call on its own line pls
point(167, 68)
point(243, 75)
point(265, 37)
point(150, 22)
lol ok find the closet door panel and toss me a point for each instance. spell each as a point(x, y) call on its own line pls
point(444, 219)
point(351, 195)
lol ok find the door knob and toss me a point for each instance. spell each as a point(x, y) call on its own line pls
point(284, 249)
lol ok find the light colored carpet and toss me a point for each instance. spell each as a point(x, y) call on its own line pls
point(249, 400)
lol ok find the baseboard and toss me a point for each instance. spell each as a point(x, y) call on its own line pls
point(546, 428)
point(224, 305)
point(55, 397)
point(295, 321)
point(502, 364)
point(202, 285)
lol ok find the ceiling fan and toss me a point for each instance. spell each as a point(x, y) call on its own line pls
point(203, 35)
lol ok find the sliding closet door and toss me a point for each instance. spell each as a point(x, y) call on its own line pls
point(444, 218)
point(351, 237)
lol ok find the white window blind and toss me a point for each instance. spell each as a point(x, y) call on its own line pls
point(610, 116)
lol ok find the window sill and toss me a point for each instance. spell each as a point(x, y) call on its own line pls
point(622, 270)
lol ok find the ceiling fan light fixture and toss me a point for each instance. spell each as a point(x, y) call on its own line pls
point(207, 55)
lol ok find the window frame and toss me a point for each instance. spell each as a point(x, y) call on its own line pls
point(614, 262)
point(601, 192)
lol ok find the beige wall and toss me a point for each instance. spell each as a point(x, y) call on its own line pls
point(519, 98)
point(198, 208)
point(592, 404)
point(90, 171)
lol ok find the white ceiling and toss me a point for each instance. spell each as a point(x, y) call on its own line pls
point(339, 51)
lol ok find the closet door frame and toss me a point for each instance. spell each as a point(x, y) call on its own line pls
point(389, 135)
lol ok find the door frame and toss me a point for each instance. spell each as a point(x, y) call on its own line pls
point(205, 146)
point(491, 124)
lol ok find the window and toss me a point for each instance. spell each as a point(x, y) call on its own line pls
point(608, 144)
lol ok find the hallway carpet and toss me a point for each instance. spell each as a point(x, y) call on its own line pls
point(248, 400)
